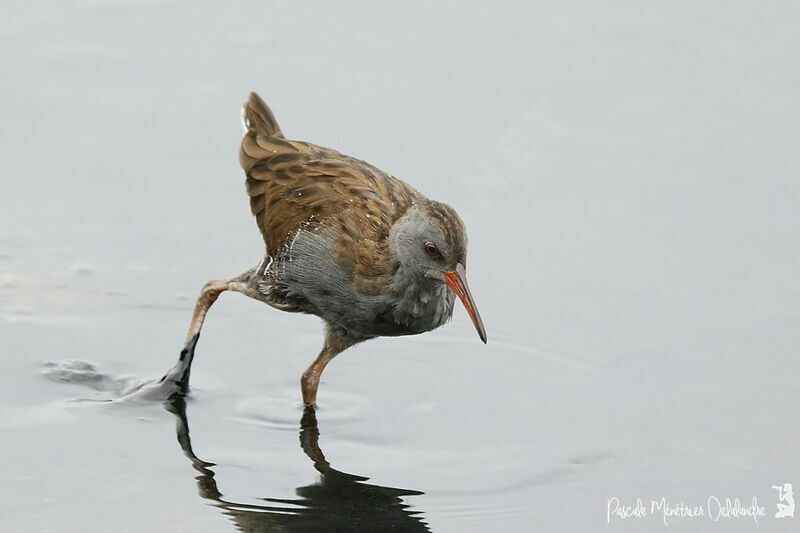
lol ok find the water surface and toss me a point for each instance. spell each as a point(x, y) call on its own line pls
point(628, 177)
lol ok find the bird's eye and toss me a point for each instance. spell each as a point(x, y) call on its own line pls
point(431, 249)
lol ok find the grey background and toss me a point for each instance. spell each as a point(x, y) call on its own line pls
point(628, 175)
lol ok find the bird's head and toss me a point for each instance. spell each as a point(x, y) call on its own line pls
point(430, 243)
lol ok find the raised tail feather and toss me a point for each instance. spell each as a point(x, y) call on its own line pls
point(258, 118)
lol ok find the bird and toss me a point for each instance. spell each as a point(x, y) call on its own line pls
point(343, 240)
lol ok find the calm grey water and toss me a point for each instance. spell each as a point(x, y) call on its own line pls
point(629, 178)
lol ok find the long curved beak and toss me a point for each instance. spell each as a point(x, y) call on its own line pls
point(457, 280)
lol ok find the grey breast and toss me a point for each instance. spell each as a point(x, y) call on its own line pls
point(307, 273)
point(307, 269)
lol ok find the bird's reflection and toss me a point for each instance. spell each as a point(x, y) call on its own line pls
point(338, 502)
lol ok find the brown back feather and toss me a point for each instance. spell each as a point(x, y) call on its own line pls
point(259, 117)
point(294, 184)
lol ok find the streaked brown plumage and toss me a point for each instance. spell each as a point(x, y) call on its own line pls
point(345, 241)
point(292, 182)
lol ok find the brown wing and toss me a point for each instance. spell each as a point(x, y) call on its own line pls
point(292, 183)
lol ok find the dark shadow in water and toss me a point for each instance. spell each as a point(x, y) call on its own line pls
point(338, 502)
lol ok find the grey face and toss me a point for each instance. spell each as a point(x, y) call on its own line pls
point(430, 246)
point(421, 247)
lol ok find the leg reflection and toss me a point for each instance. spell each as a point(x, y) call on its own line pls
point(337, 502)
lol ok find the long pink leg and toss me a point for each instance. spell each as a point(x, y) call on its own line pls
point(179, 374)
point(309, 382)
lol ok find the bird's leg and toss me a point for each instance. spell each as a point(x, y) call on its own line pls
point(335, 343)
point(309, 381)
point(208, 295)
point(179, 375)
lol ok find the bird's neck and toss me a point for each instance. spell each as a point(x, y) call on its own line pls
point(421, 303)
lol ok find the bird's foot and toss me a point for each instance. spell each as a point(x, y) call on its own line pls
point(178, 376)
